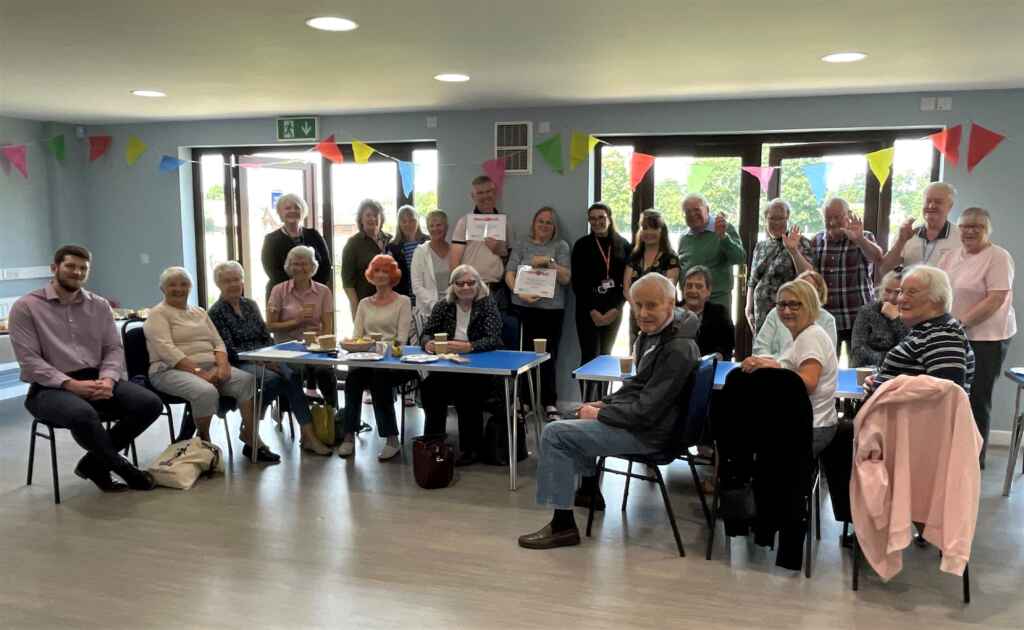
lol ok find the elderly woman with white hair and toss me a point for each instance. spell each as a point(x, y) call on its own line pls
point(936, 343)
point(292, 210)
point(188, 359)
point(470, 317)
point(981, 274)
point(300, 305)
point(242, 329)
point(773, 264)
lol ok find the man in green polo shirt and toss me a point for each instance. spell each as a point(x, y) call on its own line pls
point(713, 242)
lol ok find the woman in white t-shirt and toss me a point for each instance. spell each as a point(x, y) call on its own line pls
point(812, 355)
point(981, 274)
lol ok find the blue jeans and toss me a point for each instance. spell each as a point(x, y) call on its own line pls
point(287, 384)
point(569, 449)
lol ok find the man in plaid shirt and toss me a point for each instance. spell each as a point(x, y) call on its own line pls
point(845, 255)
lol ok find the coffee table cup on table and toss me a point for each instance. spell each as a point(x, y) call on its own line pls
point(863, 373)
point(625, 365)
point(309, 337)
point(540, 346)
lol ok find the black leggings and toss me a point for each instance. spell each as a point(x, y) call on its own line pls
point(593, 340)
point(540, 323)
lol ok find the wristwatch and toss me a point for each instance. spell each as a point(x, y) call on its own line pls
point(197, 370)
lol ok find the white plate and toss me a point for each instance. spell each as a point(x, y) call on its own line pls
point(364, 356)
point(419, 358)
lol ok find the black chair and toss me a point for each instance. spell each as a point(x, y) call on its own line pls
point(686, 430)
point(51, 438)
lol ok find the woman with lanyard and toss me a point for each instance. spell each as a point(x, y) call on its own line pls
point(292, 210)
point(773, 265)
point(599, 261)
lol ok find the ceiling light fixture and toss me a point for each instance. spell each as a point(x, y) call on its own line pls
point(149, 93)
point(330, 23)
point(843, 57)
point(451, 77)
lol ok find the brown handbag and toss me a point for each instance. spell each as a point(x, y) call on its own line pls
point(433, 461)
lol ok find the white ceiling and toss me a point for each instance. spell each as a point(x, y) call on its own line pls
point(77, 60)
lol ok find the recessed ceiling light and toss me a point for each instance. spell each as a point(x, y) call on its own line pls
point(451, 77)
point(149, 93)
point(843, 57)
point(327, 23)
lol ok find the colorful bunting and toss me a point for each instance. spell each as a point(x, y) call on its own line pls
point(880, 163)
point(408, 172)
point(551, 151)
point(697, 177)
point(763, 175)
point(580, 147)
point(16, 155)
point(495, 169)
point(56, 146)
point(639, 164)
point(98, 145)
point(947, 142)
point(981, 142)
point(817, 177)
point(329, 149)
point(362, 151)
point(169, 163)
point(134, 150)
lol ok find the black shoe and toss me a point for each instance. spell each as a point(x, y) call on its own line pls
point(545, 538)
point(919, 540)
point(89, 468)
point(466, 459)
point(263, 455)
point(583, 500)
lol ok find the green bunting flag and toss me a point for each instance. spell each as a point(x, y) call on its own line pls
point(56, 147)
point(551, 151)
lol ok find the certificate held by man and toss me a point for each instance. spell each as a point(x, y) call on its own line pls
point(536, 281)
point(480, 227)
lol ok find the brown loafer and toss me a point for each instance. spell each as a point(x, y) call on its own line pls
point(544, 538)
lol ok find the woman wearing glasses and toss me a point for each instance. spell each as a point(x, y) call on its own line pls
point(470, 318)
point(981, 274)
point(812, 355)
point(878, 326)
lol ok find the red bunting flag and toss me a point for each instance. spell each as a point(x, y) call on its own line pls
point(329, 149)
point(98, 145)
point(980, 143)
point(763, 175)
point(15, 154)
point(947, 142)
point(639, 164)
point(495, 169)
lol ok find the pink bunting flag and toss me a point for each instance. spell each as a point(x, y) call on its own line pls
point(763, 175)
point(639, 164)
point(495, 169)
point(98, 145)
point(16, 155)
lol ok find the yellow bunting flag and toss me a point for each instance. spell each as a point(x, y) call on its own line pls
point(362, 151)
point(579, 148)
point(880, 161)
point(134, 150)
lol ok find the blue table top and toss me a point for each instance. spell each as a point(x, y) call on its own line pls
point(1016, 375)
point(606, 368)
point(497, 362)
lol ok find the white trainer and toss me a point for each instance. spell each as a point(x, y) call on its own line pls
point(346, 449)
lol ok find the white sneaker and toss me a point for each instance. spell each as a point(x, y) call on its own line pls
point(388, 452)
point(346, 449)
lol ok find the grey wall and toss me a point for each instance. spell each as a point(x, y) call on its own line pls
point(26, 220)
point(131, 210)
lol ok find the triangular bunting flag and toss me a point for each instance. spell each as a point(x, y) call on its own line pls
point(16, 155)
point(763, 175)
point(880, 162)
point(947, 142)
point(362, 151)
point(495, 169)
point(134, 150)
point(98, 145)
point(408, 172)
point(697, 177)
point(980, 143)
point(329, 149)
point(580, 146)
point(551, 151)
point(639, 164)
point(169, 164)
point(56, 147)
point(817, 177)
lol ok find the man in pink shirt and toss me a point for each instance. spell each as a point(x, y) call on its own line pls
point(68, 349)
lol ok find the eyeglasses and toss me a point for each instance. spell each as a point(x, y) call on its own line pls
point(787, 305)
point(972, 226)
point(465, 283)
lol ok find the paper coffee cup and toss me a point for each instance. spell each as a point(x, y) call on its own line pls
point(440, 347)
point(309, 337)
point(863, 373)
point(540, 345)
point(441, 337)
point(376, 336)
point(626, 365)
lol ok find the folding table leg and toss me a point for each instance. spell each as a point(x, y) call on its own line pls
point(1016, 428)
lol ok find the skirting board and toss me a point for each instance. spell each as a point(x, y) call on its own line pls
point(999, 437)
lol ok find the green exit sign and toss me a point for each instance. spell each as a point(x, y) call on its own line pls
point(298, 128)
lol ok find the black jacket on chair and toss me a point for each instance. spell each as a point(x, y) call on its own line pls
point(762, 426)
point(717, 332)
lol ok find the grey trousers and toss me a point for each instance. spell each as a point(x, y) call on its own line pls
point(202, 395)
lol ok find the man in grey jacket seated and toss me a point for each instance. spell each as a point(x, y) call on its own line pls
point(637, 419)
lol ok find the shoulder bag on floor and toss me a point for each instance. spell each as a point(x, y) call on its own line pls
point(433, 461)
point(182, 463)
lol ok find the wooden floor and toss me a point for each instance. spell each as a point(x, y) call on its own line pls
point(321, 542)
